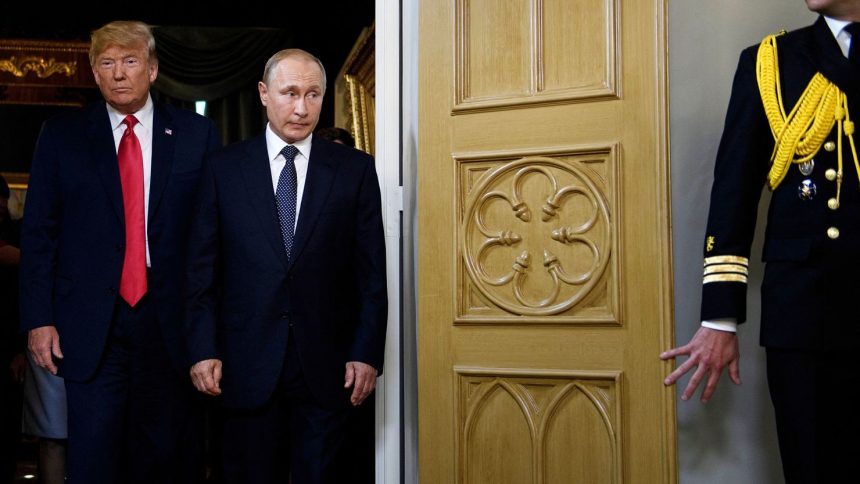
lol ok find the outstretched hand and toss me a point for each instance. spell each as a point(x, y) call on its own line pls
point(709, 352)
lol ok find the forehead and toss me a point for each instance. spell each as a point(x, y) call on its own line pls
point(298, 71)
point(118, 51)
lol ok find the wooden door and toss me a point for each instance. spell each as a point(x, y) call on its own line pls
point(545, 250)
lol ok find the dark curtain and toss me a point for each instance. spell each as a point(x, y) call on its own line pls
point(220, 66)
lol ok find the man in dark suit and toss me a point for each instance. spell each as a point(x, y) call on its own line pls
point(103, 248)
point(789, 124)
point(287, 297)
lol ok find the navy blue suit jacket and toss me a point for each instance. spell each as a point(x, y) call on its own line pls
point(810, 286)
point(73, 234)
point(244, 295)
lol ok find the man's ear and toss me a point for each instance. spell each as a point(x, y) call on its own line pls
point(264, 92)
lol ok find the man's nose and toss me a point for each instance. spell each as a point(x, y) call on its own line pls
point(300, 107)
point(118, 71)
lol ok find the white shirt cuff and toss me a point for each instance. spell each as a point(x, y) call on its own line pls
point(722, 324)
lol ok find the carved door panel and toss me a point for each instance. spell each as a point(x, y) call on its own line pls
point(545, 255)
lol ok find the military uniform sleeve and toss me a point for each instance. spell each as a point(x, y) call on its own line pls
point(739, 175)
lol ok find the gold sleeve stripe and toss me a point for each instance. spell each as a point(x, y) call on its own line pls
point(733, 268)
point(725, 278)
point(727, 259)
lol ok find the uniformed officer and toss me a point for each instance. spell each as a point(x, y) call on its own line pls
point(789, 126)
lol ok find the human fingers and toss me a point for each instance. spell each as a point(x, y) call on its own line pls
point(674, 352)
point(711, 385)
point(349, 377)
point(693, 384)
point(735, 371)
point(680, 371)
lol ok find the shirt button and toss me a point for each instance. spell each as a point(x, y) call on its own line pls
point(829, 146)
point(833, 204)
point(830, 174)
point(833, 233)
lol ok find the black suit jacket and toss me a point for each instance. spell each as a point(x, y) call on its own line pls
point(245, 296)
point(810, 287)
point(73, 233)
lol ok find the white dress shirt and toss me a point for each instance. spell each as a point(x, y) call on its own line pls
point(143, 130)
point(274, 145)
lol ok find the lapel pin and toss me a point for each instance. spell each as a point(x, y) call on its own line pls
point(168, 131)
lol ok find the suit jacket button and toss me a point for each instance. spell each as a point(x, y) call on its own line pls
point(111, 291)
point(285, 315)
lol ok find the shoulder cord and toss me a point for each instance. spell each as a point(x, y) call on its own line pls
point(799, 136)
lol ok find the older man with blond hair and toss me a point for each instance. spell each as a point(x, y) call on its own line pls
point(103, 243)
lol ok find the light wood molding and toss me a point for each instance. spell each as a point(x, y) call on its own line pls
point(536, 236)
point(538, 419)
point(552, 51)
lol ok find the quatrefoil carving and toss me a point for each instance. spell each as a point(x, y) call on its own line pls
point(536, 236)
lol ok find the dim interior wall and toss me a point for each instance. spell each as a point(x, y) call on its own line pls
point(732, 438)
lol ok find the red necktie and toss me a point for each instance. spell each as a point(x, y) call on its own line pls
point(132, 285)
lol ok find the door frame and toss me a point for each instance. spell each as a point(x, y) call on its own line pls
point(396, 161)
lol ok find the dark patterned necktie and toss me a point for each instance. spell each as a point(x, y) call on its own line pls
point(285, 197)
point(854, 51)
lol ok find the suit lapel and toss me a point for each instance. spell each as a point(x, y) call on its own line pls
point(823, 52)
point(103, 150)
point(321, 171)
point(163, 142)
point(258, 182)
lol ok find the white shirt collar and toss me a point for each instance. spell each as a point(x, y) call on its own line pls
point(842, 36)
point(836, 26)
point(144, 115)
point(274, 144)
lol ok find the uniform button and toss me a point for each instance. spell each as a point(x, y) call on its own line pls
point(833, 233)
point(833, 204)
point(830, 174)
point(829, 146)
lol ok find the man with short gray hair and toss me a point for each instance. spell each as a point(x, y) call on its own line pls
point(287, 300)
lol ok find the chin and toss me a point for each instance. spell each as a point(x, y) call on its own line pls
point(299, 136)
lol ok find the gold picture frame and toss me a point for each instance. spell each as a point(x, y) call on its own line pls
point(38, 79)
point(355, 92)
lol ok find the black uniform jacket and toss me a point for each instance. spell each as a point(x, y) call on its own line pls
point(811, 287)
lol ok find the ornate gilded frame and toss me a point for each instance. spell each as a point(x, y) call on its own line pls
point(43, 73)
point(355, 92)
